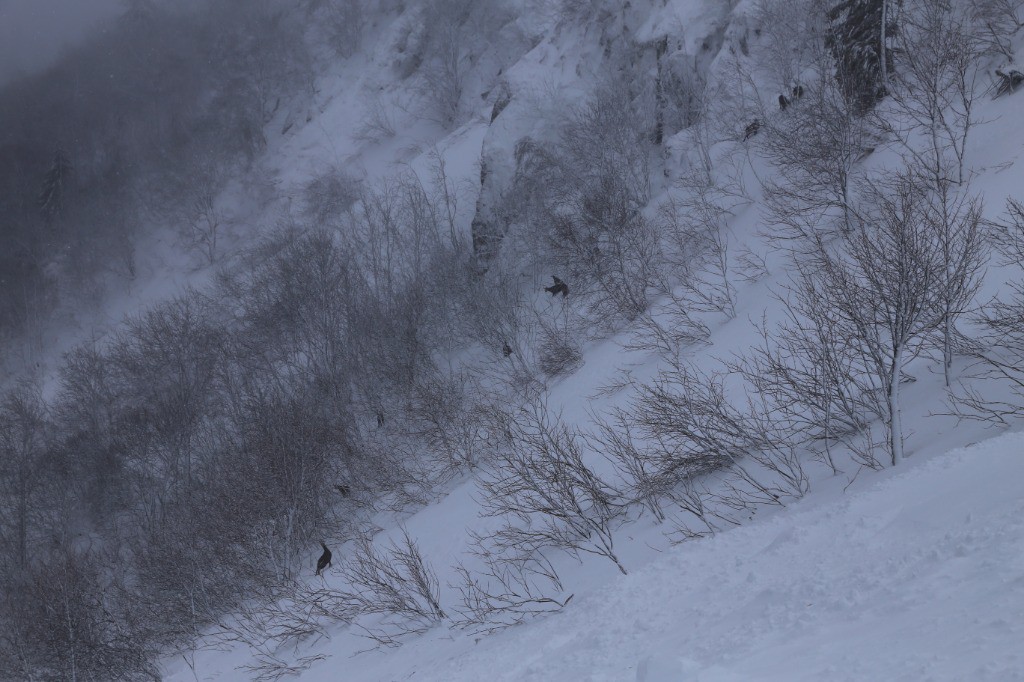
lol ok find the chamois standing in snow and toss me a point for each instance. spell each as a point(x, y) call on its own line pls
point(752, 129)
point(559, 287)
point(1008, 81)
point(325, 559)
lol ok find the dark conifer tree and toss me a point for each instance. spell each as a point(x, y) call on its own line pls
point(859, 31)
point(51, 196)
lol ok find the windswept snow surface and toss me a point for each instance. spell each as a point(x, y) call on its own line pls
point(917, 575)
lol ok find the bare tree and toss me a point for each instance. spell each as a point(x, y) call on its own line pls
point(812, 375)
point(1000, 348)
point(582, 201)
point(24, 451)
point(814, 148)
point(882, 285)
point(444, 77)
point(62, 623)
point(932, 118)
point(934, 89)
point(346, 20)
point(955, 218)
point(794, 39)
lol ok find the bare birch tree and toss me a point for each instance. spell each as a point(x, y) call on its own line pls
point(881, 283)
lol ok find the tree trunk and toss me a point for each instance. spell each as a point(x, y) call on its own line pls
point(947, 345)
point(883, 56)
point(895, 419)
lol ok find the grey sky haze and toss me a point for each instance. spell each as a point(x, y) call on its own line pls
point(34, 32)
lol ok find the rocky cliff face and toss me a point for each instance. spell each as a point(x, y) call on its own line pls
point(664, 50)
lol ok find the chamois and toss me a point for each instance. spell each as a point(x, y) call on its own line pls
point(325, 559)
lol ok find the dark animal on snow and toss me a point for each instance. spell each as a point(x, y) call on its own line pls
point(506, 350)
point(1008, 81)
point(559, 287)
point(783, 102)
point(325, 559)
point(343, 489)
point(798, 91)
point(380, 419)
point(752, 129)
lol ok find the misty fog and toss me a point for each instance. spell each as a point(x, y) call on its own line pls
point(33, 33)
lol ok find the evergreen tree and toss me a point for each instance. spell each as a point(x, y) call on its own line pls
point(859, 31)
point(51, 197)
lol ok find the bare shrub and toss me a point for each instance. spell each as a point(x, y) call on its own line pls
point(545, 493)
point(397, 584)
point(448, 414)
point(668, 328)
point(379, 122)
point(689, 428)
point(559, 353)
point(696, 227)
point(289, 615)
point(505, 592)
point(646, 478)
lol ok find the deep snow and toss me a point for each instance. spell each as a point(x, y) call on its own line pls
point(917, 576)
point(908, 574)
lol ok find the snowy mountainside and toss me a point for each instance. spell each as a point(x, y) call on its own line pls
point(822, 564)
point(911, 574)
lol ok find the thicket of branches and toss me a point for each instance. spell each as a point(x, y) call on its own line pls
point(188, 464)
point(580, 202)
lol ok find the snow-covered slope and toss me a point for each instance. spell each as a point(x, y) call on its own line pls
point(908, 574)
point(917, 575)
